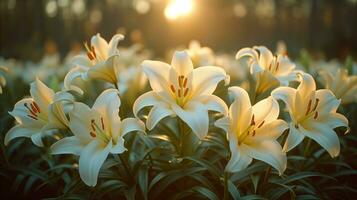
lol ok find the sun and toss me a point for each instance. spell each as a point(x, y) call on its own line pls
point(178, 8)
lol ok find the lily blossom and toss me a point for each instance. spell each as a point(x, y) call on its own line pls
point(252, 132)
point(263, 63)
point(97, 132)
point(201, 56)
point(313, 114)
point(341, 84)
point(37, 115)
point(179, 90)
point(100, 62)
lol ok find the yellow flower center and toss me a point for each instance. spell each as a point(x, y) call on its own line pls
point(311, 110)
point(99, 130)
point(250, 131)
point(33, 110)
point(180, 93)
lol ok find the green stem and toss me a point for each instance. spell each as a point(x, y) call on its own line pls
point(225, 194)
point(182, 136)
point(126, 167)
point(307, 148)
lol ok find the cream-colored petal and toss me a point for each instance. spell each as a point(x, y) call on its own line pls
point(107, 103)
point(68, 145)
point(266, 110)
point(213, 103)
point(113, 44)
point(119, 147)
point(157, 113)
point(223, 123)
point(239, 159)
point(287, 95)
point(307, 86)
point(265, 56)
point(205, 80)
point(147, 99)
point(240, 110)
point(333, 120)
point(100, 46)
point(91, 160)
point(247, 52)
point(182, 63)
point(71, 76)
point(80, 121)
point(104, 70)
point(269, 151)
point(19, 131)
point(195, 115)
point(37, 139)
point(294, 138)
point(158, 75)
point(42, 95)
point(325, 136)
point(22, 114)
point(328, 102)
point(271, 130)
point(131, 124)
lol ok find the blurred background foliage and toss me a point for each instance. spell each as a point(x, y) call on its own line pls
point(327, 28)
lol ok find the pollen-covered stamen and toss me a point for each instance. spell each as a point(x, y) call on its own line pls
point(36, 107)
point(186, 92)
point(253, 133)
point(102, 121)
point(261, 124)
point(32, 111)
point(316, 115)
point(181, 91)
point(93, 134)
point(277, 66)
point(252, 122)
point(172, 87)
point(308, 107)
point(316, 104)
point(90, 52)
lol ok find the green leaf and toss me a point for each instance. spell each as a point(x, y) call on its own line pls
point(205, 192)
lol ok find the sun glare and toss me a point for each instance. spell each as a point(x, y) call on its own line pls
point(178, 8)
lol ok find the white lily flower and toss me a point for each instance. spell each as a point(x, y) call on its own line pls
point(99, 63)
point(342, 85)
point(313, 114)
point(269, 67)
point(179, 90)
point(201, 56)
point(252, 132)
point(2, 77)
point(97, 132)
point(42, 112)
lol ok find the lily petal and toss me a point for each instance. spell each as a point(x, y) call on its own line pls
point(100, 46)
point(71, 76)
point(41, 94)
point(158, 73)
point(113, 44)
point(265, 57)
point(195, 115)
point(328, 102)
point(325, 136)
point(91, 160)
point(157, 113)
point(19, 131)
point(294, 138)
point(213, 103)
point(148, 99)
point(107, 103)
point(333, 120)
point(287, 95)
point(119, 147)
point(182, 63)
point(131, 124)
point(80, 120)
point(266, 110)
point(239, 157)
point(269, 151)
point(223, 123)
point(247, 52)
point(205, 79)
point(68, 145)
point(272, 130)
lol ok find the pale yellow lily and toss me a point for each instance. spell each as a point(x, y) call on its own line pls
point(252, 132)
point(97, 131)
point(313, 114)
point(101, 62)
point(42, 112)
point(179, 90)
